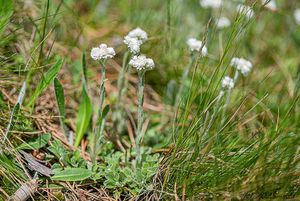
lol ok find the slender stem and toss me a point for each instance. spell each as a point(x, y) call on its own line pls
point(139, 133)
point(236, 76)
point(229, 91)
point(184, 77)
point(102, 88)
point(98, 131)
point(128, 69)
point(121, 78)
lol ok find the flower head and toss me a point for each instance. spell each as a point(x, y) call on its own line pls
point(227, 82)
point(211, 3)
point(196, 45)
point(223, 22)
point(297, 15)
point(245, 10)
point(102, 52)
point(139, 34)
point(141, 62)
point(133, 44)
point(242, 65)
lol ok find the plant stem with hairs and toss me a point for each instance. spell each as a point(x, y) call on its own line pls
point(184, 77)
point(141, 85)
point(102, 88)
point(121, 78)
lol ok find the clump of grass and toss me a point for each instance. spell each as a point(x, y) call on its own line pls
point(221, 135)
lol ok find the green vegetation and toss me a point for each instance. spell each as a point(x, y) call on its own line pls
point(80, 129)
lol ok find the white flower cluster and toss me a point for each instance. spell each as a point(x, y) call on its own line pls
point(270, 5)
point(135, 39)
point(227, 82)
point(242, 65)
point(195, 45)
point(223, 22)
point(141, 62)
point(133, 44)
point(211, 3)
point(102, 52)
point(297, 15)
point(245, 10)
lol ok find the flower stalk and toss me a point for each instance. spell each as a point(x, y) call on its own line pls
point(184, 77)
point(121, 77)
point(140, 94)
point(102, 88)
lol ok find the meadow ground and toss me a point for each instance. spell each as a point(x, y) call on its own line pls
point(189, 100)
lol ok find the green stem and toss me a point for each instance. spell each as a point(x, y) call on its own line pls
point(102, 88)
point(236, 75)
point(121, 78)
point(139, 133)
point(184, 77)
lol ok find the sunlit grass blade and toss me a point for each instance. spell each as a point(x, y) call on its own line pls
point(83, 117)
point(6, 11)
point(15, 110)
point(47, 78)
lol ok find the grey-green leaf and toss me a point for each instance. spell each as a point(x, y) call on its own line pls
point(72, 174)
point(36, 143)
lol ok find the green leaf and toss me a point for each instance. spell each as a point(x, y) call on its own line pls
point(103, 114)
point(46, 80)
point(83, 117)
point(36, 143)
point(72, 174)
point(6, 11)
point(105, 111)
point(60, 100)
point(84, 70)
point(60, 97)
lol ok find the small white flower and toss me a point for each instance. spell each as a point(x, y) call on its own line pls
point(133, 44)
point(195, 45)
point(227, 82)
point(271, 5)
point(297, 15)
point(241, 64)
point(245, 10)
point(102, 52)
point(141, 62)
point(223, 22)
point(139, 34)
point(211, 3)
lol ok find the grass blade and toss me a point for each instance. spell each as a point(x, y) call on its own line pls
point(6, 10)
point(16, 109)
point(46, 80)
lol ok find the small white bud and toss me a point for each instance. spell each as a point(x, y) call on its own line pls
point(227, 82)
point(241, 64)
point(195, 45)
